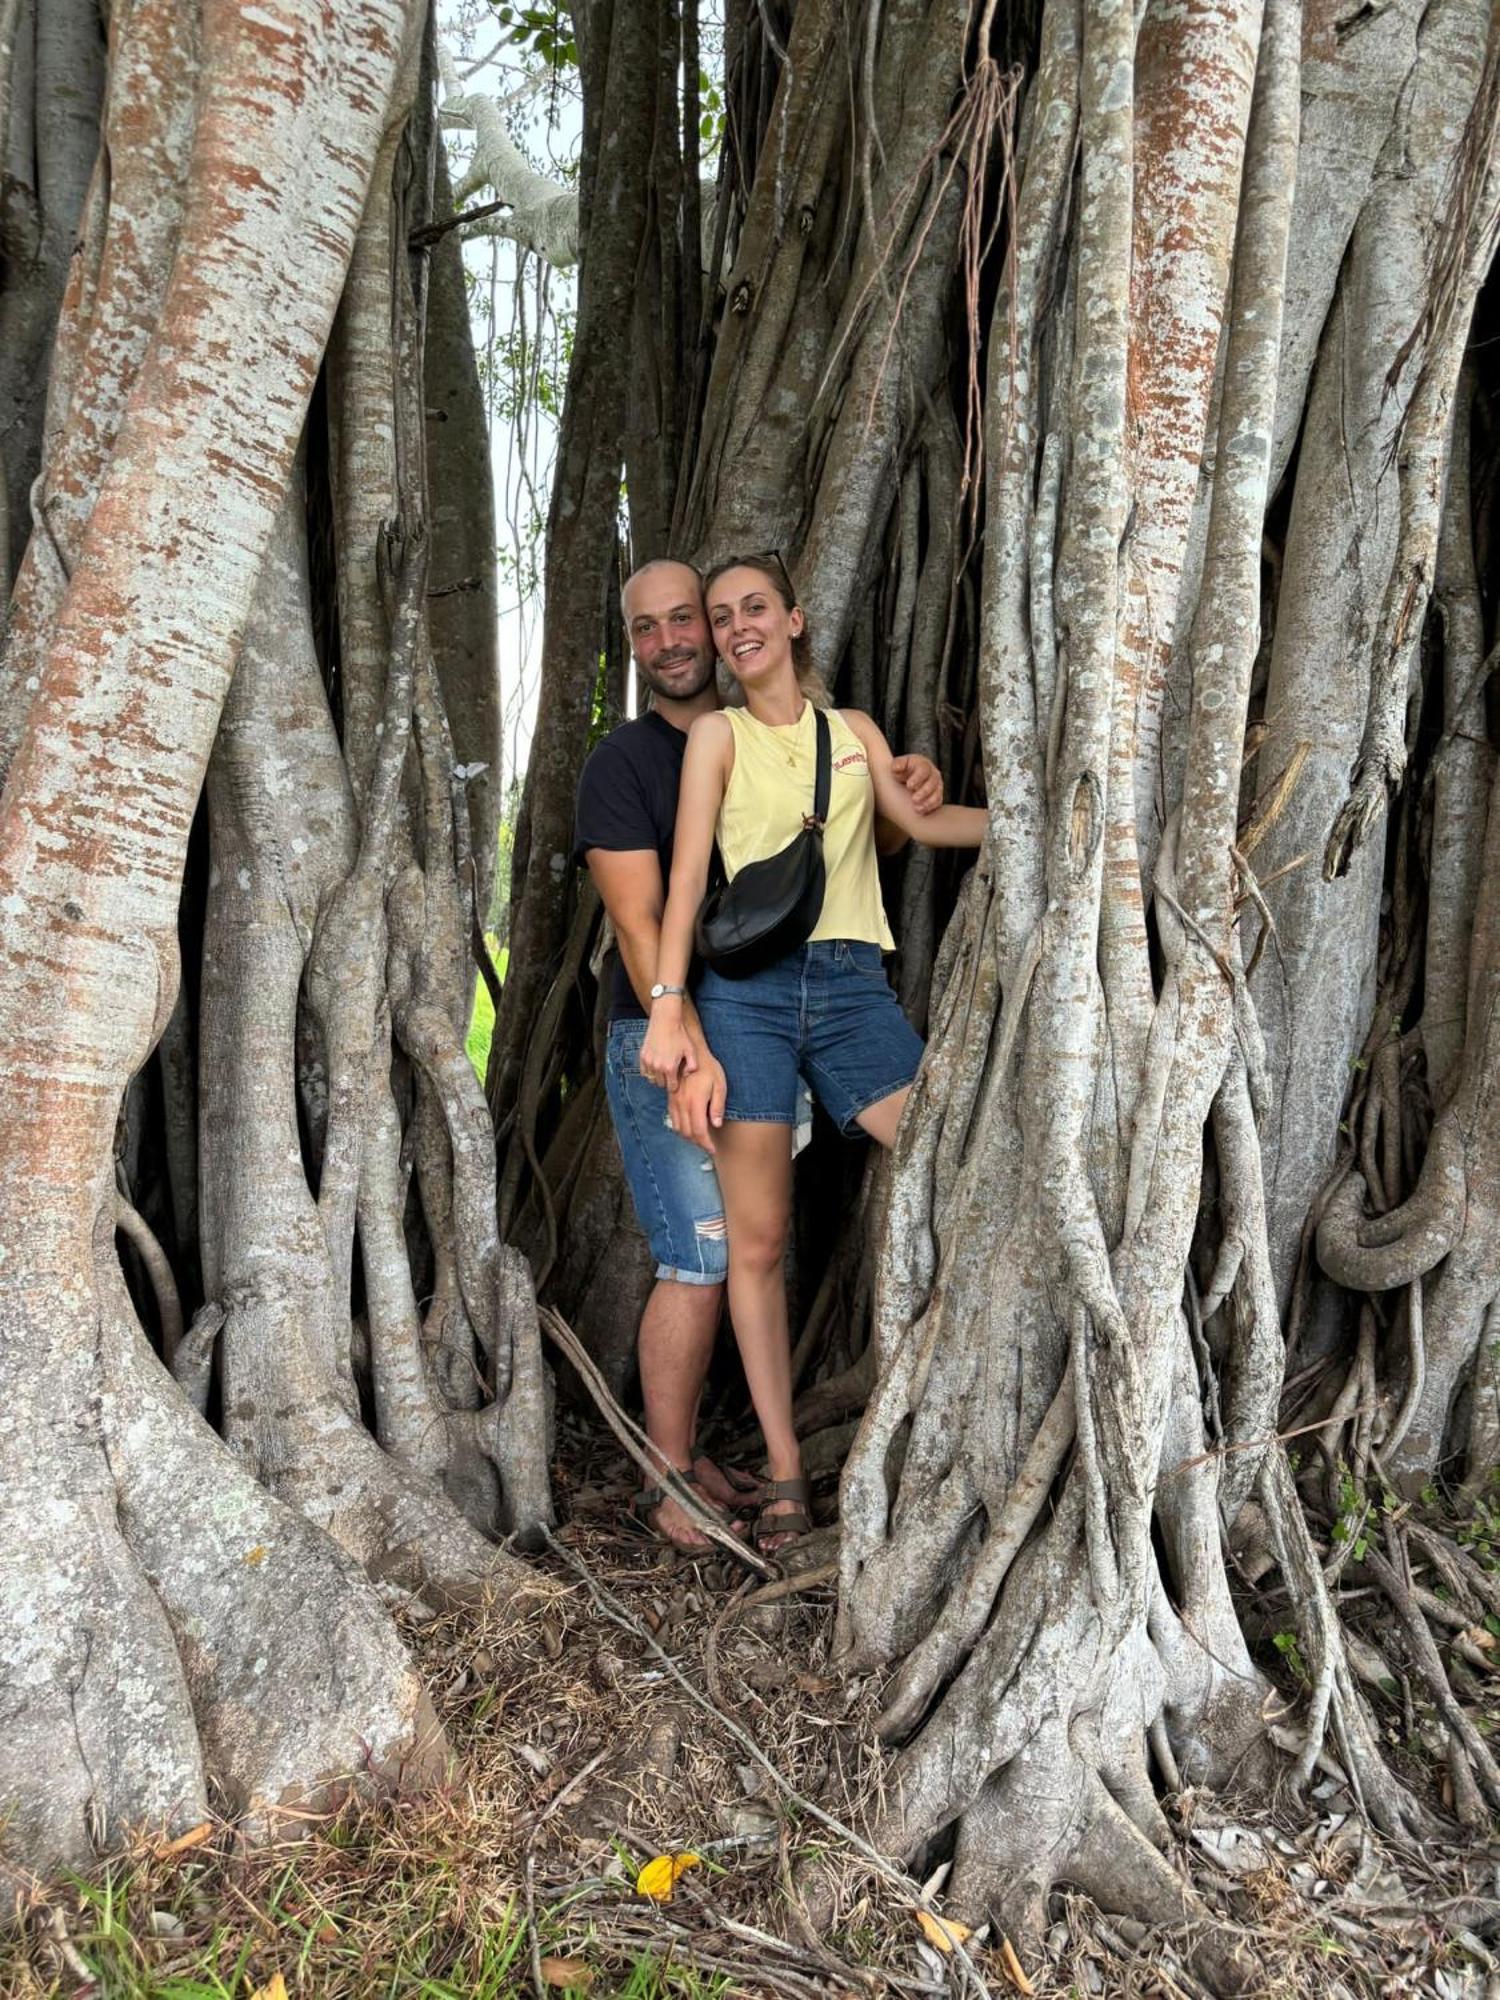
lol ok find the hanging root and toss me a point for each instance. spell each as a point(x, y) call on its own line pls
point(1471, 1760)
point(1378, 1253)
point(255, 1597)
point(1334, 1703)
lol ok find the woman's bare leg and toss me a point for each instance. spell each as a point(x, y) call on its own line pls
point(880, 1120)
point(755, 1176)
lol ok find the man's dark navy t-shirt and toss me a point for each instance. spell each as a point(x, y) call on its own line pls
point(627, 801)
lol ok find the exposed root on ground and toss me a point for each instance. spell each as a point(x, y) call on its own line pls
point(581, 1756)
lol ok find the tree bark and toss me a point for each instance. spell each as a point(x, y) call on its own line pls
point(158, 1654)
point(131, 1621)
point(618, 40)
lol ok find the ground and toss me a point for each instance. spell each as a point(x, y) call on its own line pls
point(600, 1734)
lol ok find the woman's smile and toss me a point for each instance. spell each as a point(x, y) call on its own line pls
point(752, 629)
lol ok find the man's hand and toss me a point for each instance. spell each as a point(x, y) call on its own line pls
point(696, 1106)
point(922, 779)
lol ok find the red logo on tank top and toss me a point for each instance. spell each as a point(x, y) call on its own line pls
point(850, 760)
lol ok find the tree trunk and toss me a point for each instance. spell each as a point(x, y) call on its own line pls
point(618, 44)
point(1203, 310)
point(51, 91)
point(188, 1618)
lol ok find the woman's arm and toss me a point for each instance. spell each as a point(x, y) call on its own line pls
point(668, 1049)
point(949, 826)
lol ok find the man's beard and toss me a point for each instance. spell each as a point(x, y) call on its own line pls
point(683, 690)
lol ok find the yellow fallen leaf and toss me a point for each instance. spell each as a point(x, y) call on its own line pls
point(944, 1932)
point(659, 1876)
point(1014, 1971)
point(567, 1972)
point(274, 1989)
point(194, 1837)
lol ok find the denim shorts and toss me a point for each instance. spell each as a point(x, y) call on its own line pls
point(824, 1014)
point(672, 1181)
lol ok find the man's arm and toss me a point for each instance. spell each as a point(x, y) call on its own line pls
point(924, 787)
point(632, 891)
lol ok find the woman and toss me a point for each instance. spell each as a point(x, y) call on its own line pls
point(826, 1012)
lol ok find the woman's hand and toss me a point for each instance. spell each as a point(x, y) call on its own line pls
point(667, 1053)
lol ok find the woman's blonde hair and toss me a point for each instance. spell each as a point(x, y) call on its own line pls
point(769, 565)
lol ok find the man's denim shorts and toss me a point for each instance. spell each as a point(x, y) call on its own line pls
point(826, 1014)
point(672, 1181)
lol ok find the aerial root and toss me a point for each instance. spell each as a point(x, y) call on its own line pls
point(1471, 1761)
point(1026, 1836)
point(1378, 1253)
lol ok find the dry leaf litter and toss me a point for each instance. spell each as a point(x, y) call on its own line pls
point(604, 1815)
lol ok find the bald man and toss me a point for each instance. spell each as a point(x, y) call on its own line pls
point(627, 811)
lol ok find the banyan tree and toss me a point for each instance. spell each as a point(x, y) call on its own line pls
point(1113, 382)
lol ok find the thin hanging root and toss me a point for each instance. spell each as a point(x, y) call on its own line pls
point(1468, 1806)
point(1380, 1253)
point(1460, 1571)
point(1428, 1663)
point(1416, 1371)
point(134, 1226)
point(656, 1468)
point(1253, 893)
point(1336, 1700)
point(987, 106)
point(192, 1362)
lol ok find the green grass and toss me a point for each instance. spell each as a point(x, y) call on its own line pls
point(482, 1018)
point(362, 1932)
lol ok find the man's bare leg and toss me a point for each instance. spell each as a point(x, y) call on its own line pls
point(676, 1345)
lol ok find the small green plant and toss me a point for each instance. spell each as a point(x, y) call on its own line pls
point(1286, 1644)
point(1351, 1526)
point(1480, 1534)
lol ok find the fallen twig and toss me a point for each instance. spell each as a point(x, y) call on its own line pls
point(619, 1614)
point(793, 1585)
point(652, 1462)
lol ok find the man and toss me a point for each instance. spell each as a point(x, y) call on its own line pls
point(627, 810)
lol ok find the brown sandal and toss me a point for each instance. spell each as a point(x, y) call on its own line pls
point(794, 1522)
point(638, 1512)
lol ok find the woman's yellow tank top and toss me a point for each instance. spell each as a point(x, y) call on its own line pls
point(770, 789)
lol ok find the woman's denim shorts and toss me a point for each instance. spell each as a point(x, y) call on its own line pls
point(826, 1014)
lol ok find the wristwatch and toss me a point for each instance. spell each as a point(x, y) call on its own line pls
point(660, 992)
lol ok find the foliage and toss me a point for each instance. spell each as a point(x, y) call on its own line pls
point(543, 33)
point(712, 115)
point(482, 1019)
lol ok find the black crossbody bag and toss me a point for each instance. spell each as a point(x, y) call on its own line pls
point(771, 906)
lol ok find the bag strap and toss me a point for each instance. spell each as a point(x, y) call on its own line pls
point(824, 777)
